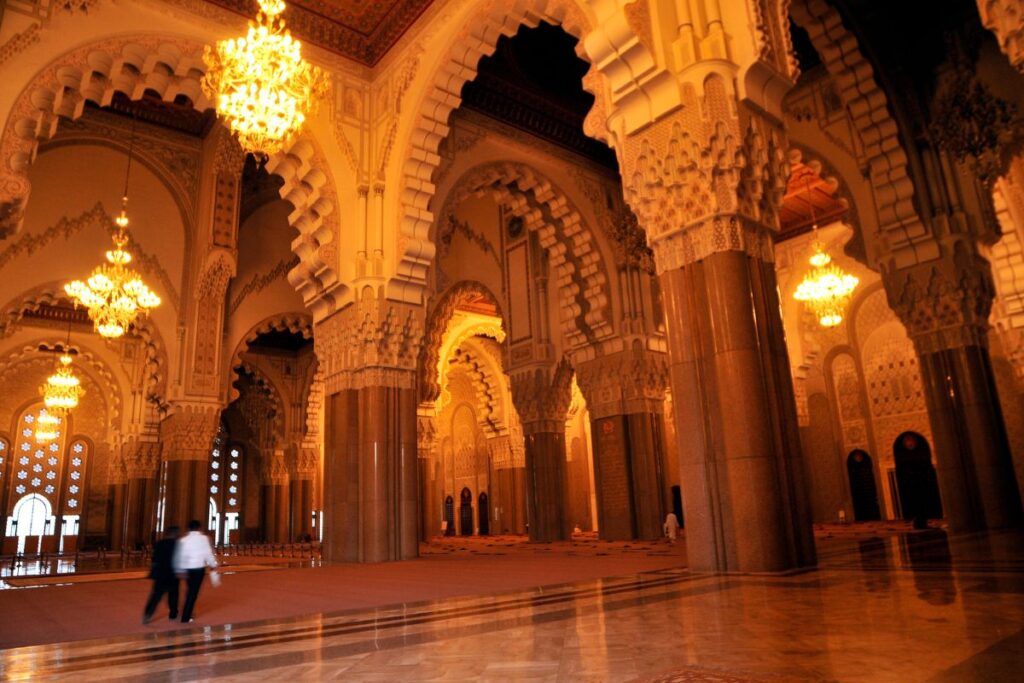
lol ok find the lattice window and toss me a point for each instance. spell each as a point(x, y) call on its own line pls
point(38, 465)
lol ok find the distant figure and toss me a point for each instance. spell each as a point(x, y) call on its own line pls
point(193, 555)
point(671, 526)
point(164, 578)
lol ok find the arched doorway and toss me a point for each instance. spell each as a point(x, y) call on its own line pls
point(466, 512)
point(449, 516)
point(29, 521)
point(483, 514)
point(915, 478)
point(862, 486)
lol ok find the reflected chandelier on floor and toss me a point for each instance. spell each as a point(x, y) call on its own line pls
point(114, 294)
point(261, 86)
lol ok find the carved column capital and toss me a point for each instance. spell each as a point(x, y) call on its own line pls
point(945, 303)
point(373, 342)
point(188, 432)
point(274, 468)
point(541, 395)
point(307, 463)
point(709, 178)
point(141, 459)
point(623, 383)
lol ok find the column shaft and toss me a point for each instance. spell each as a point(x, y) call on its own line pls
point(301, 509)
point(115, 514)
point(371, 475)
point(545, 489)
point(140, 511)
point(185, 492)
point(975, 469)
point(735, 416)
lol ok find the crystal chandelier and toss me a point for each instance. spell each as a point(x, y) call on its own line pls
point(62, 389)
point(262, 87)
point(826, 288)
point(114, 294)
point(46, 426)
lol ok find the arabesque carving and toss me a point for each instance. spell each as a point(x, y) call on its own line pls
point(707, 180)
point(373, 342)
point(944, 304)
point(188, 432)
point(624, 383)
point(1005, 18)
point(541, 396)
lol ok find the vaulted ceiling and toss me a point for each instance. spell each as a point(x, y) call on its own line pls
point(362, 30)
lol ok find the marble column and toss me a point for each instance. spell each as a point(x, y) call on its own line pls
point(739, 448)
point(117, 485)
point(541, 396)
point(370, 470)
point(508, 484)
point(301, 493)
point(944, 305)
point(187, 436)
point(429, 489)
point(625, 393)
point(142, 464)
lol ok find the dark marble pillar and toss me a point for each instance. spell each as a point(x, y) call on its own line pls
point(975, 469)
point(546, 483)
point(371, 479)
point(739, 448)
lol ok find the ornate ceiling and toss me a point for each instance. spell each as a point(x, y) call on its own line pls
point(363, 30)
point(809, 199)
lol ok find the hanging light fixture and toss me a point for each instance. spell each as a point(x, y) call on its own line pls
point(826, 288)
point(262, 87)
point(62, 389)
point(47, 426)
point(114, 294)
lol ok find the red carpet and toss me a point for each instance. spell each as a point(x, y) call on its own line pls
point(451, 567)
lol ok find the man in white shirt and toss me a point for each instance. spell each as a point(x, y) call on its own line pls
point(191, 558)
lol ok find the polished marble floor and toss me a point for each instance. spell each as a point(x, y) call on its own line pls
point(882, 607)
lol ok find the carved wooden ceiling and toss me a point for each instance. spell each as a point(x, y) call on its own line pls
point(809, 198)
point(362, 30)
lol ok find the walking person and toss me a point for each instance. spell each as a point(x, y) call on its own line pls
point(194, 554)
point(671, 526)
point(161, 571)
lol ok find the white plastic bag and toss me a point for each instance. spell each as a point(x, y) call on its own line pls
point(214, 578)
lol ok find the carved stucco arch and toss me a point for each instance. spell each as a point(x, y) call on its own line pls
point(134, 65)
point(86, 361)
point(618, 44)
point(571, 244)
point(439, 315)
point(52, 294)
point(296, 323)
point(488, 387)
point(270, 392)
point(884, 158)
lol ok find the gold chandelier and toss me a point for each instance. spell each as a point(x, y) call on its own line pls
point(114, 294)
point(46, 426)
point(62, 389)
point(826, 288)
point(262, 87)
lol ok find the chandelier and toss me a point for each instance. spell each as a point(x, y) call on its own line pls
point(46, 426)
point(826, 288)
point(62, 389)
point(114, 294)
point(262, 87)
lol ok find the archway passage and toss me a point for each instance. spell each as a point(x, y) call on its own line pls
point(29, 523)
point(861, 472)
point(466, 512)
point(915, 478)
point(483, 515)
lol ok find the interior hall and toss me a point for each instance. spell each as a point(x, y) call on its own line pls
point(540, 340)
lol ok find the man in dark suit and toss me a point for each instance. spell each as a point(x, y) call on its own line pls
point(164, 578)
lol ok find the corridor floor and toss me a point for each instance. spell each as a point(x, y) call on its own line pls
point(883, 606)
